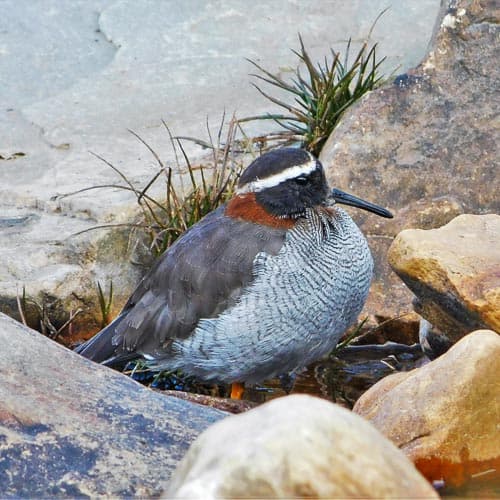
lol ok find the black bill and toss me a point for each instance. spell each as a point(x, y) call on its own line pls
point(353, 201)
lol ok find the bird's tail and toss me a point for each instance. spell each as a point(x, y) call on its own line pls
point(100, 347)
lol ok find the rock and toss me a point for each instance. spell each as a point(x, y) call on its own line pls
point(425, 146)
point(444, 415)
point(432, 341)
point(293, 447)
point(224, 404)
point(454, 271)
point(92, 73)
point(63, 274)
point(72, 428)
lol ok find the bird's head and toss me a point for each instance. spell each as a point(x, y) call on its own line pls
point(287, 181)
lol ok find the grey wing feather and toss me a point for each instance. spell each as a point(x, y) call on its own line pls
point(199, 276)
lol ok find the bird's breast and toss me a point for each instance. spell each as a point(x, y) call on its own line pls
point(296, 307)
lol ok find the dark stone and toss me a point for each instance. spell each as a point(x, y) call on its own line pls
point(405, 80)
point(433, 342)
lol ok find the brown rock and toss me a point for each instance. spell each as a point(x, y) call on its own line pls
point(72, 428)
point(454, 271)
point(444, 415)
point(293, 447)
point(425, 145)
point(224, 404)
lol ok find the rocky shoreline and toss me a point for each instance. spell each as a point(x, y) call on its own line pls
point(426, 147)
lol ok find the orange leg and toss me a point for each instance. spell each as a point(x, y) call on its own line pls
point(237, 390)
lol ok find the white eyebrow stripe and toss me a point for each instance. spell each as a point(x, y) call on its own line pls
point(274, 180)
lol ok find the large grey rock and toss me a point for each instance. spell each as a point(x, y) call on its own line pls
point(76, 74)
point(427, 145)
point(72, 428)
point(294, 447)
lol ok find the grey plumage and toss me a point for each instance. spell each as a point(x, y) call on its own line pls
point(258, 288)
point(201, 275)
point(293, 312)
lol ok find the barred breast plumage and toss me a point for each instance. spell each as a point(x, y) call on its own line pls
point(304, 298)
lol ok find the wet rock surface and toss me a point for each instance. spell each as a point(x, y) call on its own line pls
point(72, 428)
point(454, 272)
point(296, 446)
point(426, 146)
point(444, 415)
point(345, 375)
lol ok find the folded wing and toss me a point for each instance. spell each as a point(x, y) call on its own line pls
point(202, 274)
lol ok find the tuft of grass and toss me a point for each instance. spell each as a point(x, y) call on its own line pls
point(320, 97)
point(210, 184)
point(105, 303)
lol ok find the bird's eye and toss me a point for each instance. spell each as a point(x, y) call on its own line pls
point(301, 180)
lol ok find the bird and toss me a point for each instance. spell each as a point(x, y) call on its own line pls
point(259, 288)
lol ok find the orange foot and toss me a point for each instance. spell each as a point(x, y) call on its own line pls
point(237, 390)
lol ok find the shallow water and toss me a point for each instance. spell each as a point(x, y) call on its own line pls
point(347, 374)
